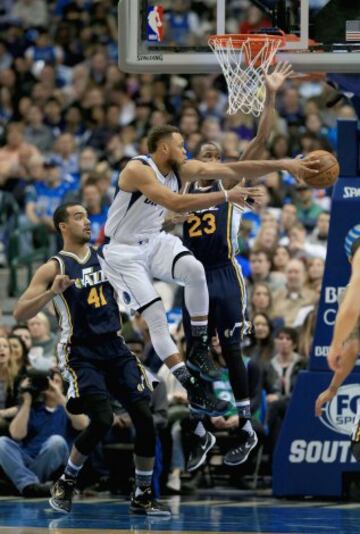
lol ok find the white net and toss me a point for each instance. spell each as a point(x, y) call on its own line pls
point(244, 64)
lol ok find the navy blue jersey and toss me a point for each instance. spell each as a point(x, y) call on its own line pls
point(88, 308)
point(210, 233)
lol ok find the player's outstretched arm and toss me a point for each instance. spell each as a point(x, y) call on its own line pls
point(350, 352)
point(194, 170)
point(273, 82)
point(146, 182)
point(45, 285)
point(347, 316)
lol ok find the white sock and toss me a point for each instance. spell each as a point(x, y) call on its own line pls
point(248, 427)
point(200, 430)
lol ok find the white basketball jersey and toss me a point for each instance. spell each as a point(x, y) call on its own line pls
point(132, 217)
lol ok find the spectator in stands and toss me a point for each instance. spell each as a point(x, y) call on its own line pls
point(261, 347)
point(315, 272)
point(260, 265)
point(10, 153)
point(319, 235)
point(288, 218)
point(279, 379)
point(23, 332)
point(280, 259)
point(43, 197)
point(42, 352)
point(39, 432)
point(44, 49)
point(261, 299)
point(7, 377)
point(299, 247)
point(36, 132)
point(66, 154)
point(288, 301)
point(267, 238)
point(307, 209)
point(31, 13)
point(97, 212)
point(19, 354)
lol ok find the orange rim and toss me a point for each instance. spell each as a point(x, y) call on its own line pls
point(256, 40)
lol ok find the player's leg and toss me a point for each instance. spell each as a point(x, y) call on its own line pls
point(231, 323)
point(172, 262)
point(202, 440)
point(127, 272)
point(87, 394)
point(127, 382)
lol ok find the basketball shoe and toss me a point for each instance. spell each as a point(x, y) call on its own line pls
point(61, 495)
point(145, 504)
point(200, 362)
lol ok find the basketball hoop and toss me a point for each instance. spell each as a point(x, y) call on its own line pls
point(244, 60)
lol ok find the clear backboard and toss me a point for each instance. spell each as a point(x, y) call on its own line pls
point(171, 36)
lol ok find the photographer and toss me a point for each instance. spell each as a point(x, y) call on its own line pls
point(39, 433)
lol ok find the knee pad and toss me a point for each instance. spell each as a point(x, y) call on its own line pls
point(189, 270)
point(155, 317)
point(145, 430)
point(101, 419)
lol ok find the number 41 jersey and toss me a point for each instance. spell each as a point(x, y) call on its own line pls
point(211, 233)
point(88, 308)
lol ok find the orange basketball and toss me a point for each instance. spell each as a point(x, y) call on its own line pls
point(328, 168)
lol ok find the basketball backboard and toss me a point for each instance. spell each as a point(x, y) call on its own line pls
point(171, 36)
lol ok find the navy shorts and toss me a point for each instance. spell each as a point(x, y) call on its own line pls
point(227, 305)
point(120, 376)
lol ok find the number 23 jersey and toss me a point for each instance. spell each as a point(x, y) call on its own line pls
point(88, 308)
point(211, 233)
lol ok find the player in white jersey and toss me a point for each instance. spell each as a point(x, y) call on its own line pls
point(138, 251)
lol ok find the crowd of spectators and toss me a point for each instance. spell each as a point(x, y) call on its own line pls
point(69, 122)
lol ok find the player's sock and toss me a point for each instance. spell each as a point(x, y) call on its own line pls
point(243, 408)
point(181, 372)
point(199, 329)
point(142, 481)
point(200, 430)
point(71, 471)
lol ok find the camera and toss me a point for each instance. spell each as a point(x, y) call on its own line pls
point(39, 382)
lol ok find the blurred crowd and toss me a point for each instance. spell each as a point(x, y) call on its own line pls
point(69, 122)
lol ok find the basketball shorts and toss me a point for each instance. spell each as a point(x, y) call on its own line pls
point(121, 377)
point(227, 306)
point(131, 269)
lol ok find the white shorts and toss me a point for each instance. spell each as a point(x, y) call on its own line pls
point(131, 268)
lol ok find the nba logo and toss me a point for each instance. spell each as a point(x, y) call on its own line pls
point(155, 23)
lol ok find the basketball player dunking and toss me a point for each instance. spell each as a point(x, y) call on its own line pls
point(92, 356)
point(345, 344)
point(138, 251)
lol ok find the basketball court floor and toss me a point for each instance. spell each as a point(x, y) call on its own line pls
point(225, 511)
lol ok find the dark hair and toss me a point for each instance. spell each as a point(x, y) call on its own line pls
point(257, 251)
point(288, 331)
point(354, 247)
point(205, 143)
point(61, 214)
point(19, 325)
point(25, 350)
point(158, 133)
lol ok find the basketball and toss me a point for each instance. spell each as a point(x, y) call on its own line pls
point(328, 168)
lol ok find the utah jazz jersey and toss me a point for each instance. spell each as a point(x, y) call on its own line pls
point(88, 308)
point(211, 233)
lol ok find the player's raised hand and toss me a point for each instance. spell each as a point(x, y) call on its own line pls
point(274, 81)
point(61, 283)
point(300, 167)
point(325, 396)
